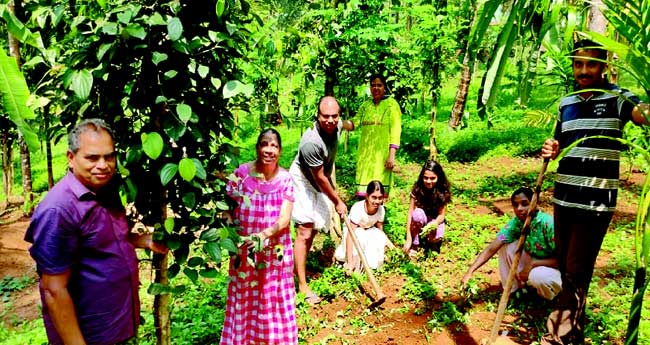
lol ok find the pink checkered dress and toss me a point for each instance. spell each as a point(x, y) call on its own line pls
point(261, 305)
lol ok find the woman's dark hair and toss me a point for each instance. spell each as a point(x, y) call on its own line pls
point(377, 76)
point(267, 131)
point(589, 45)
point(374, 186)
point(522, 190)
point(383, 81)
point(431, 201)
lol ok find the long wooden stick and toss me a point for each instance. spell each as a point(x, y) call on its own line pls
point(525, 229)
point(379, 295)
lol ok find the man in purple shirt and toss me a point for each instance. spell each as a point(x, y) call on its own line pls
point(83, 248)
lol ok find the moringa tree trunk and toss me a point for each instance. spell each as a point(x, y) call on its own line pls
point(48, 147)
point(26, 168)
point(161, 318)
point(469, 58)
point(25, 162)
point(461, 93)
point(6, 143)
point(435, 90)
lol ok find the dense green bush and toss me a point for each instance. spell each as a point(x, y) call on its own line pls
point(197, 313)
point(414, 144)
point(471, 145)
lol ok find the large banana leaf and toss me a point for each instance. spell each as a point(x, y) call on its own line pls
point(18, 30)
point(499, 59)
point(484, 18)
point(14, 99)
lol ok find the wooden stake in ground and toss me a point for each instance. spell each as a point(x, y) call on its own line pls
point(525, 229)
point(379, 297)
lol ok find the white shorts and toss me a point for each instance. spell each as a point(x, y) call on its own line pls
point(310, 205)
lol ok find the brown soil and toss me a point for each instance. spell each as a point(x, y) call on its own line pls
point(16, 262)
point(394, 322)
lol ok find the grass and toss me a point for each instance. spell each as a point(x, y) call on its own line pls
point(39, 169)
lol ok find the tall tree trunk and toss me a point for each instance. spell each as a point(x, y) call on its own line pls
point(469, 58)
point(162, 321)
point(435, 97)
point(330, 71)
point(26, 168)
point(6, 143)
point(596, 20)
point(461, 92)
point(435, 90)
point(48, 147)
point(330, 77)
point(161, 318)
point(25, 162)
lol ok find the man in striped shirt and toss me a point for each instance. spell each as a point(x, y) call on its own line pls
point(587, 181)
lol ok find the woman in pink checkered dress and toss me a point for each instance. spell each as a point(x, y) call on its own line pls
point(261, 293)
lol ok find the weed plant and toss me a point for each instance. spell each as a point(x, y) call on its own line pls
point(9, 284)
point(27, 333)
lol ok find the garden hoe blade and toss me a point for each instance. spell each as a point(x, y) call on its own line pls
point(380, 297)
point(515, 262)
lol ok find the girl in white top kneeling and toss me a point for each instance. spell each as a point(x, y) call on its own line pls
point(367, 220)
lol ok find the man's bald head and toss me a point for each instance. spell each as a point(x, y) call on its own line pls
point(329, 105)
point(328, 114)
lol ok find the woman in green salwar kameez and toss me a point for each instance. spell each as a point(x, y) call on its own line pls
point(380, 122)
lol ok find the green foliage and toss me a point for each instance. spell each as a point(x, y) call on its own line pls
point(28, 333)
point(9, 284)
point(471, 145)
point(197, 312)
point(332, 283)
point(14, 98)
point(415, 140)
point(630, 20)
point(172, 120)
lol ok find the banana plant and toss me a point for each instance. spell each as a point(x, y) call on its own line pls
point(524, 18)
point(13, 87)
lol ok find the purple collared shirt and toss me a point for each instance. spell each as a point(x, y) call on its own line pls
point(73, 230)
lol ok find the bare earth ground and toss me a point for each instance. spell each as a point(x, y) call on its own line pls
point(394, 322)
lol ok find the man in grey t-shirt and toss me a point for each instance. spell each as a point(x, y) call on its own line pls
point(312, 175)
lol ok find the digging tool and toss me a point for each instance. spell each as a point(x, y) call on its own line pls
point(379, 295)
point(525, 229)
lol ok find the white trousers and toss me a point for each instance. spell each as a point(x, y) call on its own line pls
point(546, 280)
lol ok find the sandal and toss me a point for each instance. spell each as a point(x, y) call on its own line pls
point(312, 299)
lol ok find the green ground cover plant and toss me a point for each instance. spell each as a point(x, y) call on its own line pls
point(9, 284)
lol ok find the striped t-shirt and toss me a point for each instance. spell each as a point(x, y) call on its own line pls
point(587, 177)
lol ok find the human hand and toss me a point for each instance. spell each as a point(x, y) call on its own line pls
point(526, 264)
point(158, 247)
point(155, 246)
point(341, 209)
point(407, 246)
point(348, 267)
point(390, 163)
point(550, 149)
point(523, 275)
point(465, 280)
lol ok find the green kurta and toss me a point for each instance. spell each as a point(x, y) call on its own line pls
point(381, 127)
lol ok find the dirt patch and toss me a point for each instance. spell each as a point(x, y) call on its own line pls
point(15, 262)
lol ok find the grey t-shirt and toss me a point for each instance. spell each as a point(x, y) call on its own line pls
point(316, 149)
